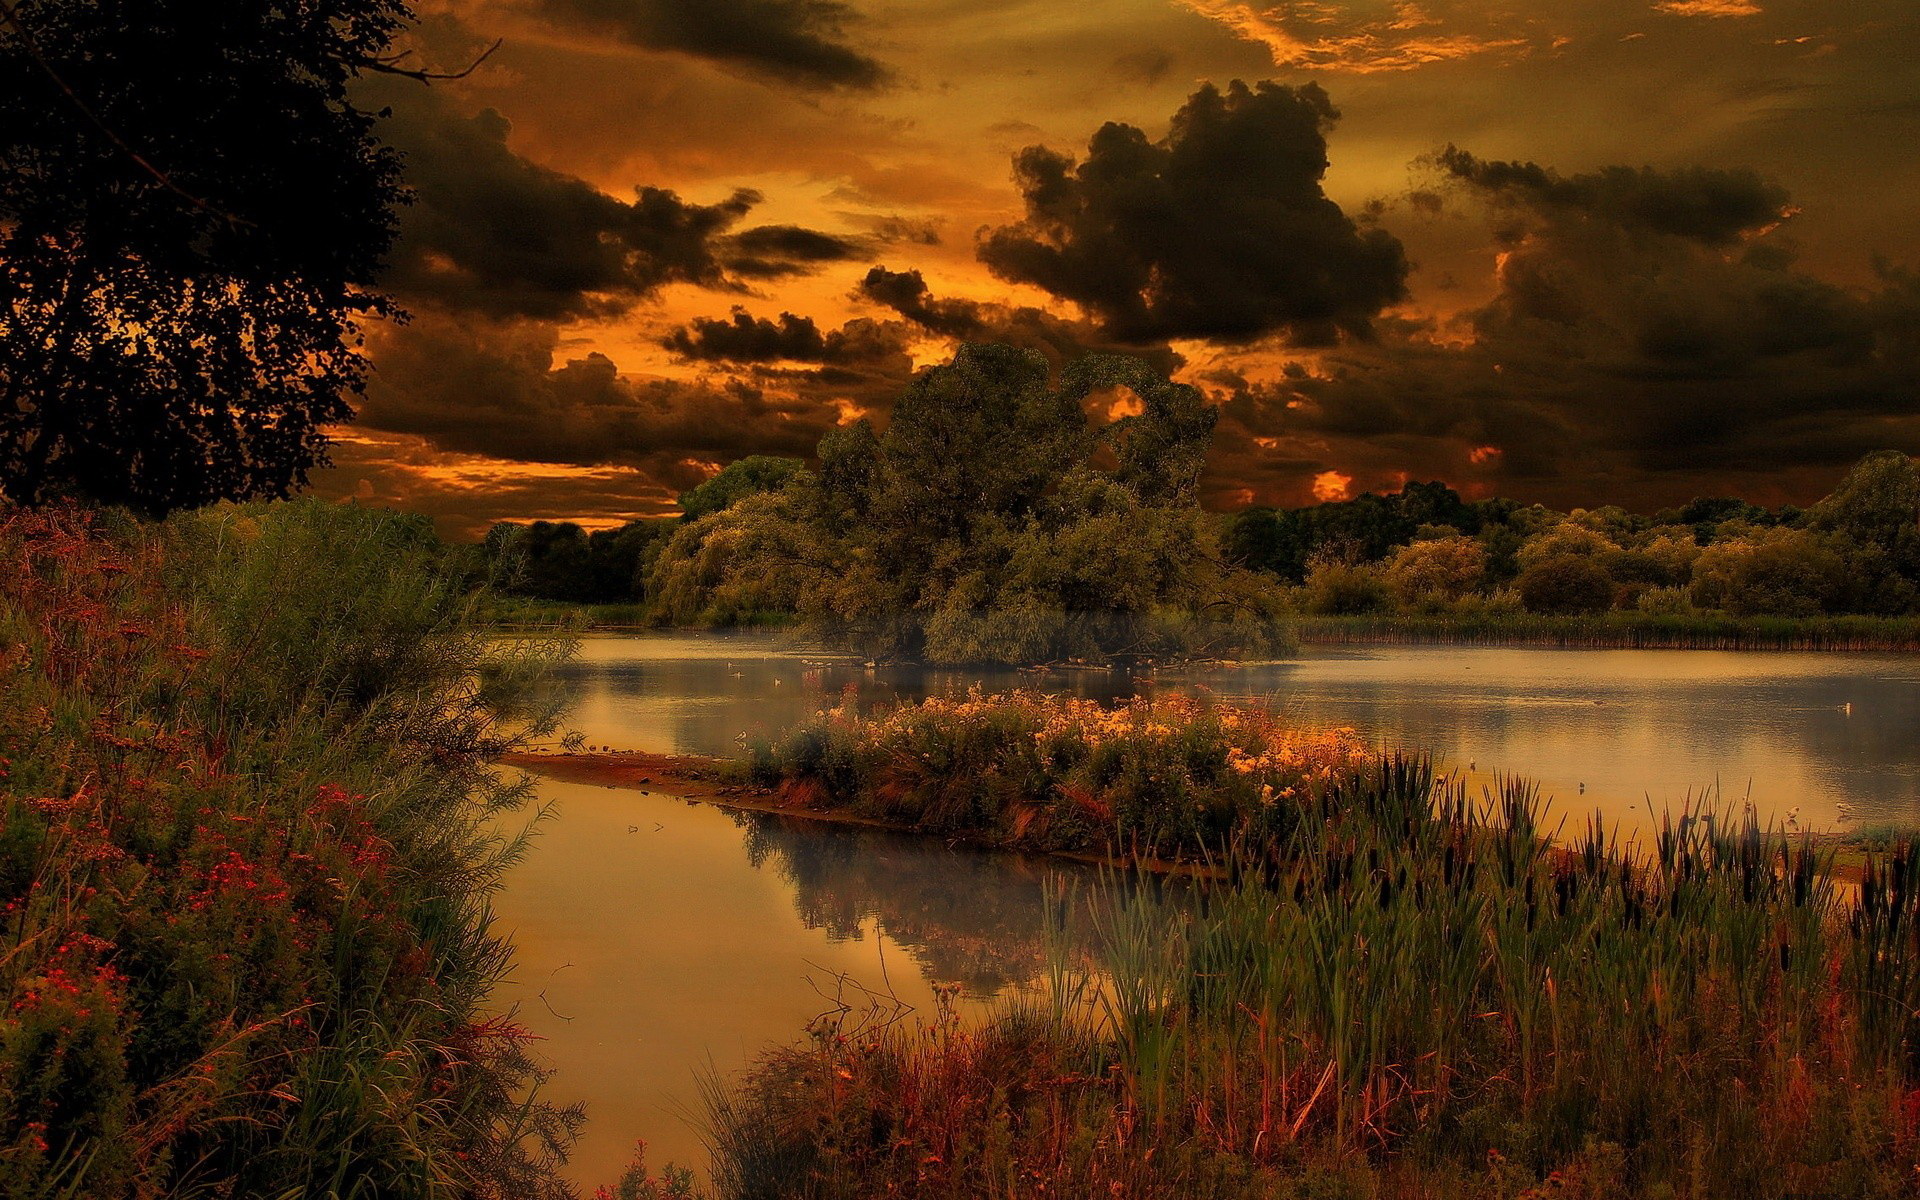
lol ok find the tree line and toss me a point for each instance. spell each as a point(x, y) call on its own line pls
point(997, 519)
point(1426, 550)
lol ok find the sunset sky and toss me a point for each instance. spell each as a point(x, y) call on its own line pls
point(1579, 252)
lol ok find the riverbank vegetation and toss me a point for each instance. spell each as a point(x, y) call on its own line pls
point(1408, 991)
point(247, 832)
point(1171, 778)
point(1083, 564)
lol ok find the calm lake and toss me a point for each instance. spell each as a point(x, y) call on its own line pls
point(658, 941)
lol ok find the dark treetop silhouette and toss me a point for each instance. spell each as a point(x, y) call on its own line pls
point(191, 211)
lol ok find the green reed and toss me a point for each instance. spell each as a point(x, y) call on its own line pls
point(1424, 990)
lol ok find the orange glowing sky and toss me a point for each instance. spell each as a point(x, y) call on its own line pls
point(1737, 310)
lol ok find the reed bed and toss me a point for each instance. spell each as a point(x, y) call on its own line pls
point(1409, 990)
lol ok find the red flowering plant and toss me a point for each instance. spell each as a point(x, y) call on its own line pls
point(242, 932)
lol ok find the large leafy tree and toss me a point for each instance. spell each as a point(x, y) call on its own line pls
point(192, 212)
point(991, 521)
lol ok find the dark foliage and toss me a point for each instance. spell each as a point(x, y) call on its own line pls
point(191, 211)
point(1282, 540)
point(558, 560)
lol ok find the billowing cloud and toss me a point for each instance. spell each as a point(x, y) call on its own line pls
point(803, 42)
point(1220, 230)
point(744, 338)
point(475, 387)
point(774, 251)
point(492, 231)
point(1651, 336)
point(907, 293)
point(1060, 339)
point(489, 230)
point(1714, 206)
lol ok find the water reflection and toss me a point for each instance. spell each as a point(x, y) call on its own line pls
point(1815, 736)
point(657, 939)
point(965, 917)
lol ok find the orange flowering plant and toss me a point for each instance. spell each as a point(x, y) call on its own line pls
point(1162, 776)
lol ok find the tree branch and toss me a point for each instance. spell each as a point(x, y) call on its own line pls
point(391, 66)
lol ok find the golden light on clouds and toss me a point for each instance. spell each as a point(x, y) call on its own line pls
point(1355, 38)
point(1710, 8)
point(1331, 486)
point(1606, 287)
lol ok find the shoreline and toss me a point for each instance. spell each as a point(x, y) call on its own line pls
point(697, 779)
point(694, 779)
point(1611, 631)
point(1841, 635)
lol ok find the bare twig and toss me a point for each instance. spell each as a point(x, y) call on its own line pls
point(391, 65)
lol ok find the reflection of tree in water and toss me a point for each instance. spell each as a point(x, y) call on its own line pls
point(969, 917)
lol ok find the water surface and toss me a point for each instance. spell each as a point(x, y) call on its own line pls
point(1815, 736)
point(658, 940)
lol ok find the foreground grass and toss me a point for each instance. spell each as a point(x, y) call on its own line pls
point(245, 850)
point(1404, 992)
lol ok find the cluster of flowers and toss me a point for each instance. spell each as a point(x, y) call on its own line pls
point(167, 926)
point(1181, 773)
point(1252, 742)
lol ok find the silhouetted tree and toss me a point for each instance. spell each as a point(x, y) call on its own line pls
point(191, 214)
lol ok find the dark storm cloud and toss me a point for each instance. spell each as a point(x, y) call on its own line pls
point(745, 338)
point(480, 388)
point(775, 251)
point(906, 293)
point(1708, 205)
point(1651, 338)
point(802, 42)
point(492, 231)
point(1219, 231)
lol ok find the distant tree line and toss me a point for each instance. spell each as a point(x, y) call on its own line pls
point(1426, 550)
point(995, 519)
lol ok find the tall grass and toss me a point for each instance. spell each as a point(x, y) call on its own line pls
point(247, 836)
point(1410, 991)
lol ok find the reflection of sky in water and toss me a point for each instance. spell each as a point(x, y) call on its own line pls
point(655, 939)
point(1632, 726)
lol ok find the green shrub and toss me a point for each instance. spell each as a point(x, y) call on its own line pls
point(1566, 583)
